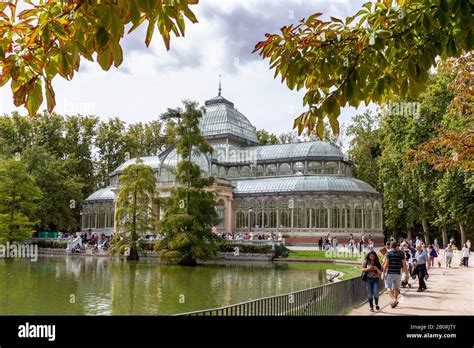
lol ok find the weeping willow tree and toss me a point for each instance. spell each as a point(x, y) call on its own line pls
point(134, 215)
point(190, 210)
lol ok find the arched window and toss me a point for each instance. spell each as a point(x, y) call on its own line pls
point(271, 170)
point(377, 216)
point(310, 218)
point(349, 218)
point(272, 214)
point(262, 219)
point(285, 216)
point(343, 217)
point(298, 215)
point(260, 170)
point(358, 212)
point(321, 217)
point(241, 219)
point(285, 169)
point(331, 168)
point(220, 209)
point(314, 168)
point(215, 169)
point(298, 168)
point(232, 172)
point(368, 216)
point(245, 172)
point(222, 173)
point(335, 218)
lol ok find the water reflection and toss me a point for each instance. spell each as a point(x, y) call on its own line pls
point(103, 286)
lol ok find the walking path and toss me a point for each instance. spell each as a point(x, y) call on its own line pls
point(450, 292)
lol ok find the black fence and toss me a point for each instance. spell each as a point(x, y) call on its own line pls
point(329, 299)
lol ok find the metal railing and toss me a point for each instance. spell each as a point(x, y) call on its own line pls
point(329, 299)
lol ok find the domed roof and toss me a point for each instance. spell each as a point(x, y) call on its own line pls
point(312, 149)
point(152, 161)
point(169, 161)
point(105, 194)
point(222, 120)
point(303, 184)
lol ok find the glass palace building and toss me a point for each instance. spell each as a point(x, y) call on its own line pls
point(302, 190)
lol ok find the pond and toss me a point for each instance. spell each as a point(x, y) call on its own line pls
point(76, 285)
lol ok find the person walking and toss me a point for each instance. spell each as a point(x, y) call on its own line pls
point(465, 255)
point(448, 255)
point(433, 255)
point(372, 270)
point(421, 258)
point(320, 243)
point(393, 265)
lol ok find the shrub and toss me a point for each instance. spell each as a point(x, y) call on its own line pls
point(245, 248)
point(281, 251)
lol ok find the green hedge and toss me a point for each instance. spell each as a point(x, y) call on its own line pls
point(245, 248)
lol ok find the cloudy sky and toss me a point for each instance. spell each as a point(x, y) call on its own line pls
point(153, 79)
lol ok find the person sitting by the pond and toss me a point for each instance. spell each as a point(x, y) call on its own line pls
point(373, 269)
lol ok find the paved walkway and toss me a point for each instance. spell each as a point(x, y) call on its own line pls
point(450, 292)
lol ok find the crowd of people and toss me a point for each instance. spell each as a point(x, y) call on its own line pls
point(250, 236)
point(94, 242)
point(362, 244)
point(404, 262)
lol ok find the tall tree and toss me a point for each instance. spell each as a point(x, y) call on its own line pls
point(134, 214)
point(111, 149)
point(18, 201)
point(365, 147)
point(385, 50)
point(61, 192)
point(190, 210)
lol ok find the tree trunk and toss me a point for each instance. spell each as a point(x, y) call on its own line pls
point(409, 232)
point(133, 255)
point(444, 231)
point(462, 229)
point(424, 223)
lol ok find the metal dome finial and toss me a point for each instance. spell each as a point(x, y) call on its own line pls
point(220, 86)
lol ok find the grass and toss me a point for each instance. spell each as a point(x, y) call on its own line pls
point(323, 255)
point(349, 271)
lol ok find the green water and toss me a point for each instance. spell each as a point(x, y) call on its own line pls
point(103, 286)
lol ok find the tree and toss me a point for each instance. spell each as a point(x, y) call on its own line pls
point(61, 192)
point(18, 201)
point(456, 200)
point(365, 147)
point(383, 51)
point(190, 211)
point(134, 214)
point(265, 138)
point(453, 147)
point(409, 190)
point(111, 148)
point(51, 37)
